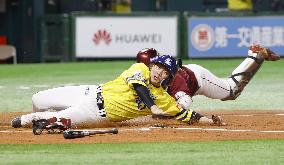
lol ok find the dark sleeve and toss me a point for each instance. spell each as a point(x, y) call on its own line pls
point(185, 81)
point(144, 94)
point(179, 83)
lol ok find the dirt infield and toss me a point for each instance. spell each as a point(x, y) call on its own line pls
point(242, 125)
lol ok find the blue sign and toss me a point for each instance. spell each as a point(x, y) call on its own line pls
point(232, 36)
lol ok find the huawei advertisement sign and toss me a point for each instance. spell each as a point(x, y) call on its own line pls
point(124, 36)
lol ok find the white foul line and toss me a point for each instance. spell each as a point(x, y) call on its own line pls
point(187, 128)
point(10, 131)
point(203, 129)
point(232, 130)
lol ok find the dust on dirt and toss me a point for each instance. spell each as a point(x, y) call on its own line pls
point(242, 125)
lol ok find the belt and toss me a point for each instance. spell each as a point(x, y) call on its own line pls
point(100, 102)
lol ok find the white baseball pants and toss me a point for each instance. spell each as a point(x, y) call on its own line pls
point(84, 110)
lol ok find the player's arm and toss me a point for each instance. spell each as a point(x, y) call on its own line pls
point(144, 94)
point(180, 91)
point(187, 115)
point(183, 99)
point(184, 115)
point(178, 112)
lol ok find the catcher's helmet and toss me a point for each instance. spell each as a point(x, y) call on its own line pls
point(168, 61)
point(144, 55)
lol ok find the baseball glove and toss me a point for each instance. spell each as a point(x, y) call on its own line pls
point(218, 120)
point(266, 53)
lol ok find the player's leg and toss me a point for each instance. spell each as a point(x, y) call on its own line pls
point(229, 89)
point(242, 75)
point(210, 85)
point(61, 97)
point(85, 112)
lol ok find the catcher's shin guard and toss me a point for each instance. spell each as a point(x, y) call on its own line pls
point(242, 75)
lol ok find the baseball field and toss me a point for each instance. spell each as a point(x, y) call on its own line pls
point(254, 134)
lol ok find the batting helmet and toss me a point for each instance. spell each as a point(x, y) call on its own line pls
point(144, 55)
point(168, 61)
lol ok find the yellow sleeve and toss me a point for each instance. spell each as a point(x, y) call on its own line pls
point(184, 115)
point(169, 104)
point(137, 73)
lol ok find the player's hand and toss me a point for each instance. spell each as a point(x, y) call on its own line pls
point(157, 111)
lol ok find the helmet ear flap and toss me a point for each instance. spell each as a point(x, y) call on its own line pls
point(166, 82)
point(179, 63)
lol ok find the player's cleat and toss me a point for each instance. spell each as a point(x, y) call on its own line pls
point(16, 122)
point(218, 120)
point(266, 53)
point(52, 125)
point(39, 126)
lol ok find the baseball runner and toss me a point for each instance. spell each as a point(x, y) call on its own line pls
point(192, 79)
point(136, 92)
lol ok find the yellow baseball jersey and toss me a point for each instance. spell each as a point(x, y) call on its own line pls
point(122, 102)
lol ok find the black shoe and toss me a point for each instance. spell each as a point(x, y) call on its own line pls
point(16, 122)
point(39, 126)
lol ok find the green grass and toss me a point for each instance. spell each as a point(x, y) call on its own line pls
point(224, 152)
point(19, 82)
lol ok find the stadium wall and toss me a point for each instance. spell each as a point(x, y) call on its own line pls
point(86, 35)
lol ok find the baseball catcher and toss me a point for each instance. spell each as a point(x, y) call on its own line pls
point(192, 79)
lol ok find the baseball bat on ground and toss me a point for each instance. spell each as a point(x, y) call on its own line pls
point(72, 134)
